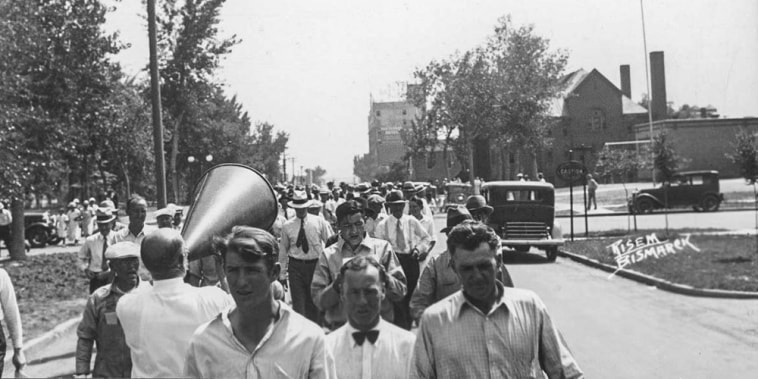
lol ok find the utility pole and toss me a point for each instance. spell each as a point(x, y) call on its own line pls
point(284, 166)
point(155, 92)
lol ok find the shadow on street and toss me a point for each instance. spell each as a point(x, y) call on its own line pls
point(529, 258)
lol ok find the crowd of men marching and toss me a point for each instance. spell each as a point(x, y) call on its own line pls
point(361, 307)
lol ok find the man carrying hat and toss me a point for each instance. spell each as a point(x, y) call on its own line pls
point(477, 206)
point(91, 255)
point(410, 242)
point(303, 240)
point(99, 322)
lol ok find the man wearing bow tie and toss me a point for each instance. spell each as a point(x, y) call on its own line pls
point(367, 346)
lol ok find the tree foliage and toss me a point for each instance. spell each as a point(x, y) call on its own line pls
point(398, 172)
point(620, 164)
point(666, 161)
point(745, 156)
point(365, 168)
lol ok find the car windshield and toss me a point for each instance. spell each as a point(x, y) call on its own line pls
point(503, 195)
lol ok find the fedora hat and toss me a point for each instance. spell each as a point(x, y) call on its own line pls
point(299, 199)
point(395, 197)
point(456, 216)
point(375, 199)
point(104, 215)
point(477, 202)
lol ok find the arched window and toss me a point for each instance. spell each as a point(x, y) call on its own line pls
point(597, 119)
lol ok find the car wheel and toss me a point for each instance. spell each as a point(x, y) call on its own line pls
point(37, 237)
point(645, 205)
point(552, 254)
point(710, 203)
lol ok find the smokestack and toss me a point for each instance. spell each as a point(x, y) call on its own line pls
point(626, 86)
point(658, 86)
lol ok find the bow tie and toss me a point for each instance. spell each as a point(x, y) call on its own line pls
point(372, 335)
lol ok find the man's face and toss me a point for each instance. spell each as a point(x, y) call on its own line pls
point(137, 213)
point(352, 229)
point(376, 207)
point(324, 197)
point(177, 219)
point(249, 281)
point(125, 269)
point(301, 212)
point(480, 215)
point(476, 269)
point(414, 209)
point(104, 227)
point(362, 295)
point(164, 221)
point(397, 209)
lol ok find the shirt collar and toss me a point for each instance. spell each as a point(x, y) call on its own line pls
point(168, 285)
point(365, 243)
point(460, 302)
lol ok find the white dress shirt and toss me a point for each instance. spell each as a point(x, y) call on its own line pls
point(91, 253)
point(158, 324)
point(317, 231)
point(414, 233)
point(389, 357)
point(293, 348)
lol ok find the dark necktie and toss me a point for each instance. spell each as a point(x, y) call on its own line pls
point(401, 246)
point(372, 335)
point(302, 241)
point(103, 263)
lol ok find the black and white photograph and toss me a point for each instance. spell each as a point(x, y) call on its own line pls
point(398, 189)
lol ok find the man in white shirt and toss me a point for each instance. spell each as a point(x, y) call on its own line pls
point(136, 209)
point(159, 323)
point(374, 213)
point(260, 337)
point(367, 346)
point(10, 315)
point(411, 243)
point(303, 240)
point(5, 225)
point(91, 255)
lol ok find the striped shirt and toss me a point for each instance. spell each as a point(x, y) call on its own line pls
point(516, 339)
point(293, 348)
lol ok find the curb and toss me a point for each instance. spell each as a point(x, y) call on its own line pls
point(35, 346)
point(660, 283)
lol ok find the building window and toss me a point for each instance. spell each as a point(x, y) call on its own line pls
point(597, 119)
point(378, 113)
point(405, 112)
point(511, 158)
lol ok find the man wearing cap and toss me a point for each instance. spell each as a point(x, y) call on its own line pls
point(91, 255)
point(367, 346)
point(353, 242)
point(164, 217)
point(303, 240)
point(99, 322)
point(158, 323)
point(411, 244)
point(477, 206)
point(136, 209)
point(374, 213)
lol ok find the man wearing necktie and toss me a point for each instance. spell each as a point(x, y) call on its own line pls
point(303, 239)
point(410, 242)
point(367, 346)
point(91, 255)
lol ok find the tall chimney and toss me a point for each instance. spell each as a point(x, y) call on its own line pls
point(658, 84)
point(626, 86)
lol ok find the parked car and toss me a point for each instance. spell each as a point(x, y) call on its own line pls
point(39, 229)
point(456, 194)
point(524, 215)
point(696, 189)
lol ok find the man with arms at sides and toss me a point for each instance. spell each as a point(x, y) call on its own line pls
point(367, 346)
point(374, 213)
point(99, 322)
point(91, 255)
point(411, 244)
point(158, 323)
point(303, 240)
point(416, 206)
point(260, 337)
point(487, 330)
point(136, 209)
point(353, 242)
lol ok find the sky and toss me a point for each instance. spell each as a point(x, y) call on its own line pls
point(310, 67)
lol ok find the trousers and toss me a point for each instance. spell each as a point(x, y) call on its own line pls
point(410, 265)
point(300, 278)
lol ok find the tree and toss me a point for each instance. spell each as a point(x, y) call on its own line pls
point(398, 173)
point(365, 168)
point(745, 156)
point(666, 161)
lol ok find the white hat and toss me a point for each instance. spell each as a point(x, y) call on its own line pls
point(299, 200)
point(124, 249)
point(165, 212)
point(316, 204)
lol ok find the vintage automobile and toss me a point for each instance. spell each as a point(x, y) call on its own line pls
point(39, 229)
point(696, 189)
point(455, 195)
point(524, 215)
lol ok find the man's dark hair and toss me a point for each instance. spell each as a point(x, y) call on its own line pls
point(360, 263)
point(349, 208)
point(469, 235)
point(251, 244)
point(133, 200)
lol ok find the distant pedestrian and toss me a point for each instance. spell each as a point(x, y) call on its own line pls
point(5, 225)
point(541, 177)
point(591, 189)
point(74, 216)
point(92, 253)
point(99, 322)
point(164, 217)
point(61, 223)
point(11, 316)
point(477, 206)
point(86, 223)
point(136, 209)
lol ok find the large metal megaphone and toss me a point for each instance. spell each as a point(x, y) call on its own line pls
point(227, 195)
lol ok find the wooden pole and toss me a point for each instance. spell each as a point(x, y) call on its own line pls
point(155, 92)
